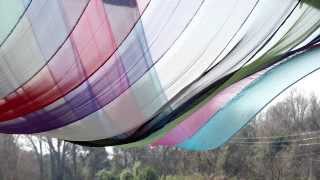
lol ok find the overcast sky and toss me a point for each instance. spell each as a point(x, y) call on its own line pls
point(308, 85)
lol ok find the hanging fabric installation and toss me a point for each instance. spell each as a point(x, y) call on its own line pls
point(133, 73)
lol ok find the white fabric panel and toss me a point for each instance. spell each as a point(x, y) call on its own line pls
point(306, 27)
point(49, 27)
point(217, 44)
point(174, 25)
point(288, 37)
point(195, 40)
point(263, 23)
point(305, 20)
point(20, 58)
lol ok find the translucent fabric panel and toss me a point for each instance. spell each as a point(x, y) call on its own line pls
point(264, 22)
point(195, 71)
point(142, 4)
point(154, 135)
point(102, 82)
point(305, 22)
point(20, 56)
point(175, 115)
point(152, 104)
point(71, 11)
point(238, 112)
point(92, 43)
point(193, 123)
point(122, 81)
point(124, 11)
point(297, 38)
point(48, 20)
point(206, 82)
point(150, 137)
point(10, 14)
point(190, 58)
point(244, 71)
point(156, 100)
point(256, 39)
point(108, 75)
point(28, 48)
point(116, 117)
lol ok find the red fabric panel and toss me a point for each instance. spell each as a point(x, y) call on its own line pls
point(90, 45)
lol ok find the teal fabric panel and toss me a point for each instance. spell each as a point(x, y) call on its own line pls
point(10, 12)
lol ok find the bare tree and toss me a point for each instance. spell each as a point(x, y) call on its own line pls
point(36, 143)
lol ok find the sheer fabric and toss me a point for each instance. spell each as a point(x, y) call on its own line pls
point(89, 46)
point(37, 37)
point(137, 72)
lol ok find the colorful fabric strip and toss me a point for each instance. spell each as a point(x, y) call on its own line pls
point(238, 112)
point(194, 122)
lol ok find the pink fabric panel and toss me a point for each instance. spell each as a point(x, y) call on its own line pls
point(93, 38)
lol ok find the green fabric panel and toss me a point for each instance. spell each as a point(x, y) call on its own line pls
point(314, 3)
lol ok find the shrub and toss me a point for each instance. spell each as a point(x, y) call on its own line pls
point(126, 175)
point(106, 175)
point(148, 174)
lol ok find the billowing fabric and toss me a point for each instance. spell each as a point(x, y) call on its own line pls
point(136, 72)
point(128, 97)
point(152, 132)
point(105, 80)
point(88, 47)
point(239, 111)
point(262, 62)
point(193, 89)
point(150, 103)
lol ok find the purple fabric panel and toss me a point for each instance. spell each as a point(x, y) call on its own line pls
point(137, 60)
point(103, 87)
